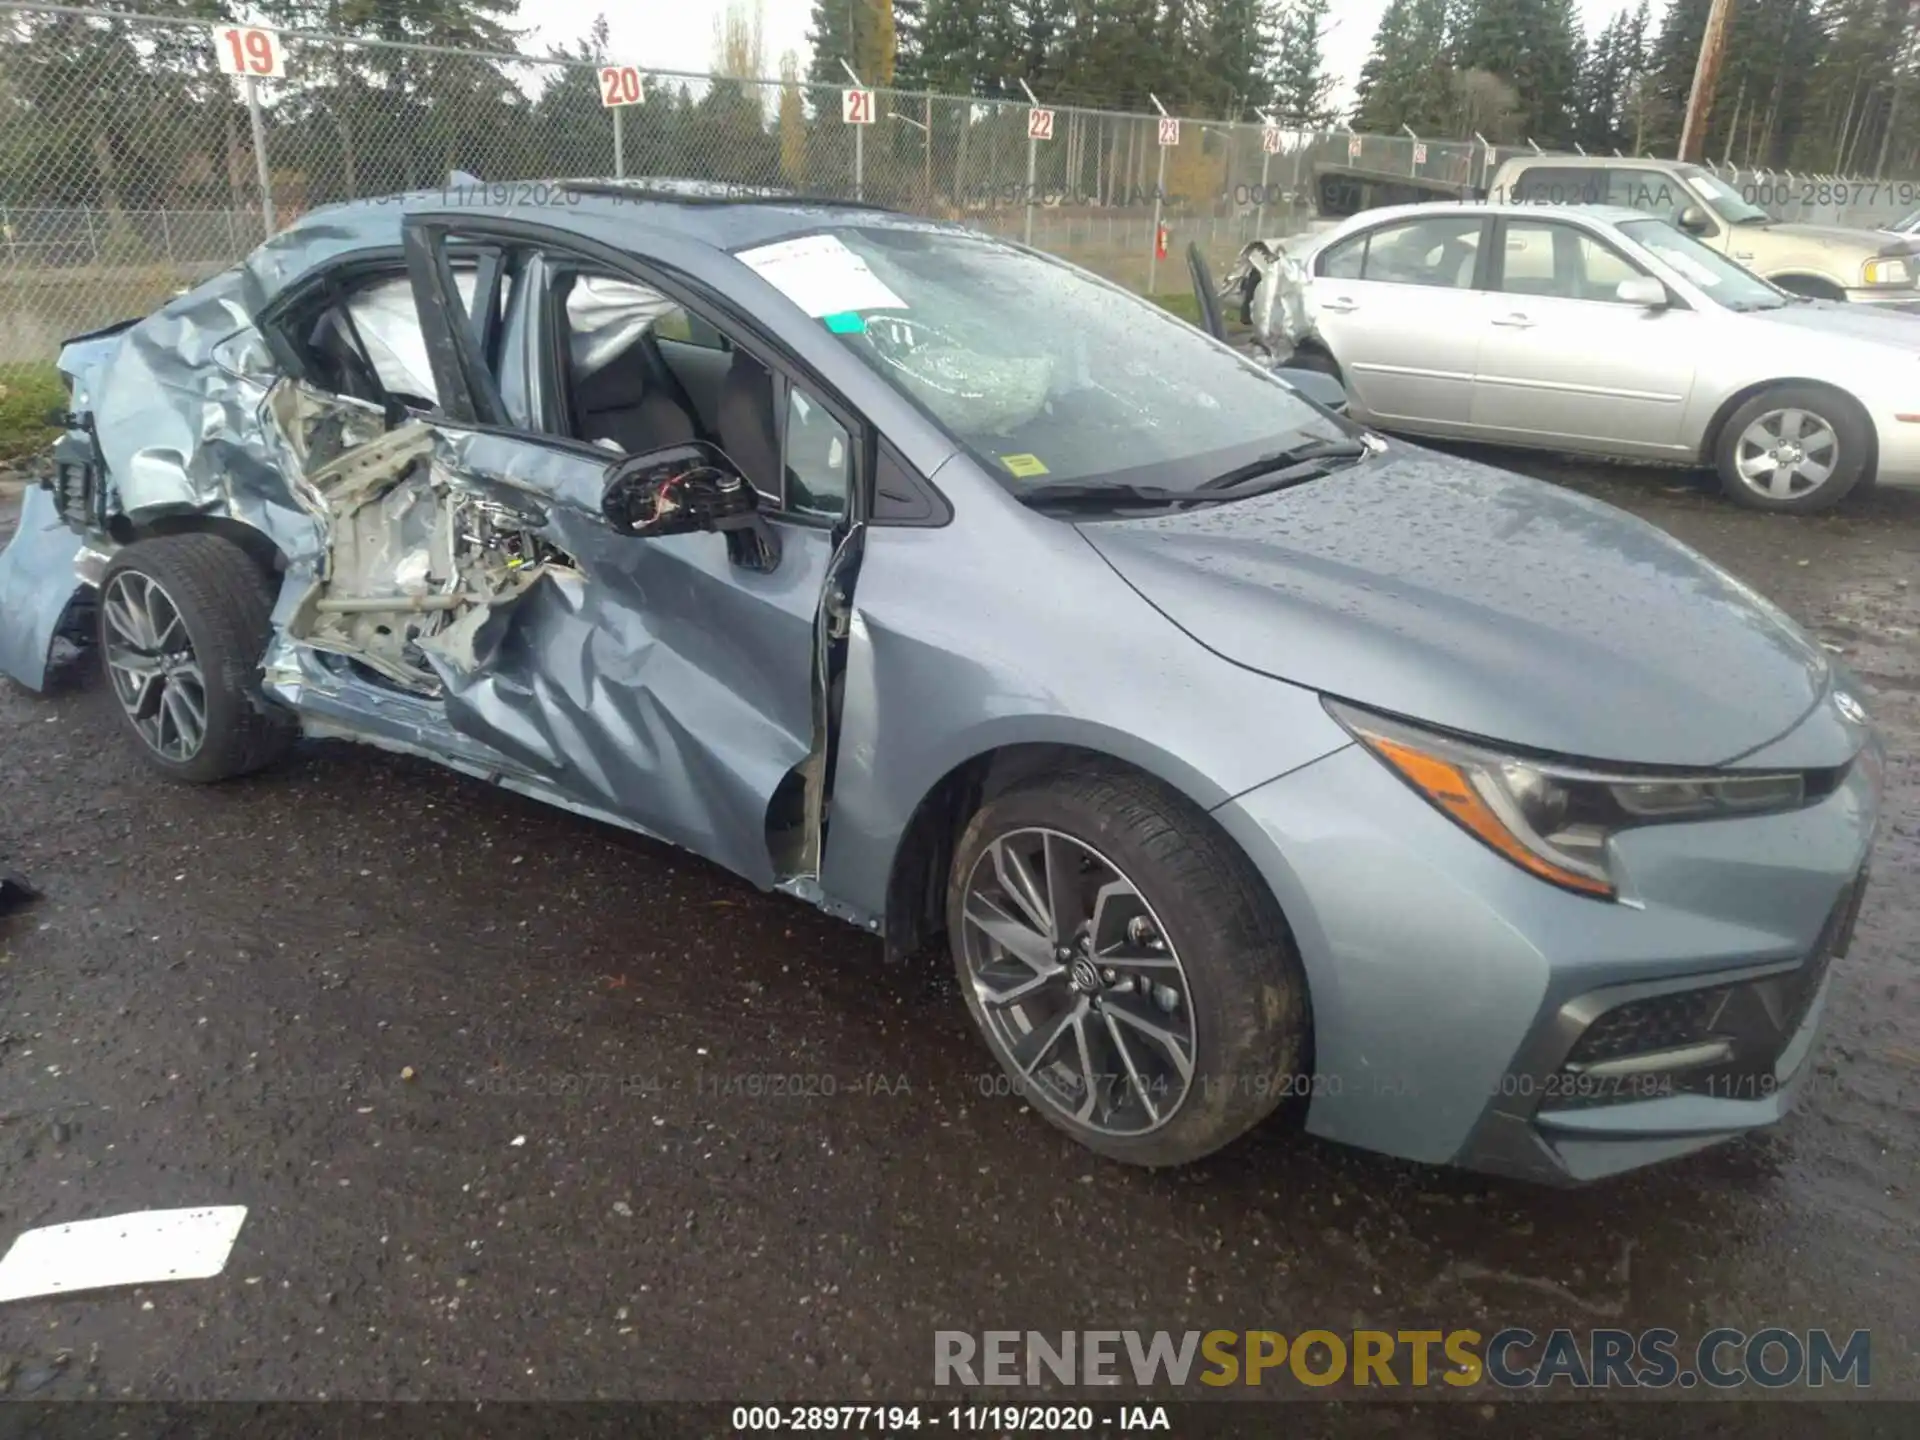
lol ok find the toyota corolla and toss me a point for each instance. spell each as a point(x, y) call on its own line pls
point(1240, 760)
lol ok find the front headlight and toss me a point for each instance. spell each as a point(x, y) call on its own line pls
point(1886, 272)
point(1550, 817)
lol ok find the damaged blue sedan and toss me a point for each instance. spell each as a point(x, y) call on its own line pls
point(1243, 761)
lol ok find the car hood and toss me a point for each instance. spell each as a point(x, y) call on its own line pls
point(1867, 242)
point(1481, 602)
point(1834, 318)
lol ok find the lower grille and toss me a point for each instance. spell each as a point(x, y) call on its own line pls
point(1724, 1040)
point(1663, 1022)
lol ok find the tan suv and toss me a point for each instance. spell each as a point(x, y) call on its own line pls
point(1827, 262)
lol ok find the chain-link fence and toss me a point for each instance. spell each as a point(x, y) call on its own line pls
point(131, 165)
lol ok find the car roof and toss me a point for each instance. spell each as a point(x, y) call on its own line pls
point(1606, 214)
point(708, 215)
point(1597, 162)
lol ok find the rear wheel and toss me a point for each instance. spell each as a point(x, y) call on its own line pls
point(183, 621)
point(1128, 968)
point(1796, 448)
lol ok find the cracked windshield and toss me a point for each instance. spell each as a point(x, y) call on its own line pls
point(1047, 376)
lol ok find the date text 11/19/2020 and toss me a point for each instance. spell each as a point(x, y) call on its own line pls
point(959, 1419)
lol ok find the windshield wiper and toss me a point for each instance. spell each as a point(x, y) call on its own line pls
point(1270, 472)
point(1282, 467)
point(1101, 497)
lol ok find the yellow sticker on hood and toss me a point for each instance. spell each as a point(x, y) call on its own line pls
point(1024, 465)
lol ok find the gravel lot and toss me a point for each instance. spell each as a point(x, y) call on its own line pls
point(345, 994)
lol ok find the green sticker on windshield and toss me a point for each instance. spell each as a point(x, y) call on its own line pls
point(846, 322)
point(1025, 466)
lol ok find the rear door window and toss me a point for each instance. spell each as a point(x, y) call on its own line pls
point(1438, 252)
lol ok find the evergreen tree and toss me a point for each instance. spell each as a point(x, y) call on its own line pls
point(1301, 84)
point(1407, 79)
point(859, 32)
point(1235, 56)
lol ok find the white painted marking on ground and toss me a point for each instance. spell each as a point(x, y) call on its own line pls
point(140, 1248)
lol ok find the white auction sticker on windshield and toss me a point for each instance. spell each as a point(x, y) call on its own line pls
point(821, 275)
point(1690, 267)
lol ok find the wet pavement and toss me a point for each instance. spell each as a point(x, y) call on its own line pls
point(523, 1106)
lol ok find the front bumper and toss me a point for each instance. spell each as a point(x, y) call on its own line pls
point(1450, 989)
point(39, 588)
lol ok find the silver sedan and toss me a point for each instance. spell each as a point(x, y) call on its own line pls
point(1602, 331)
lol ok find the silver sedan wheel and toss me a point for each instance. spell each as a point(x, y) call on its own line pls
point(155, 674)
point(1785, 454)
point(1079, 988)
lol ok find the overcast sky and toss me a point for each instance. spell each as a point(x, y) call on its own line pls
point(678, 34)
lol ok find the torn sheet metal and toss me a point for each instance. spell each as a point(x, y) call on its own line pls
point(1267, 288)
point(141, 1248)
point(641, 679)
point(181, 433)
point(38, 587)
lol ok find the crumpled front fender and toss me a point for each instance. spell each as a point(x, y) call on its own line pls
point(1270, 283)
point(37, 587)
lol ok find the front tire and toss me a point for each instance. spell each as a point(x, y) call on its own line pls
point(1127, 966)
point(183, 622)
point(1794, 449)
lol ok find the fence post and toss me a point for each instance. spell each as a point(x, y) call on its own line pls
point(1299, 160)
point(166, 238)
point(1033, 156)
point(619, 144)
point(1159, 193)
point(259, 128)
point(1266, 166)
point(6, 229)
point(93, 241)
point(1153, 254)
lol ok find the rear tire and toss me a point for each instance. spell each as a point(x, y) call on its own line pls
point(183, 622)
point(1155, 922)
point(1794, 449)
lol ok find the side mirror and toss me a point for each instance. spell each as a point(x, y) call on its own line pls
point(686, 488)
point(1696, 221)
point(1315, 385)
point(1644, 291)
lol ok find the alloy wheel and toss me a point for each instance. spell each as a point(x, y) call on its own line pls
point(1785, 454)
point(1078, 986)
point(155, 673)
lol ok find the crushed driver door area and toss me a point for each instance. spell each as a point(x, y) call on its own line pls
point(651, 681)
